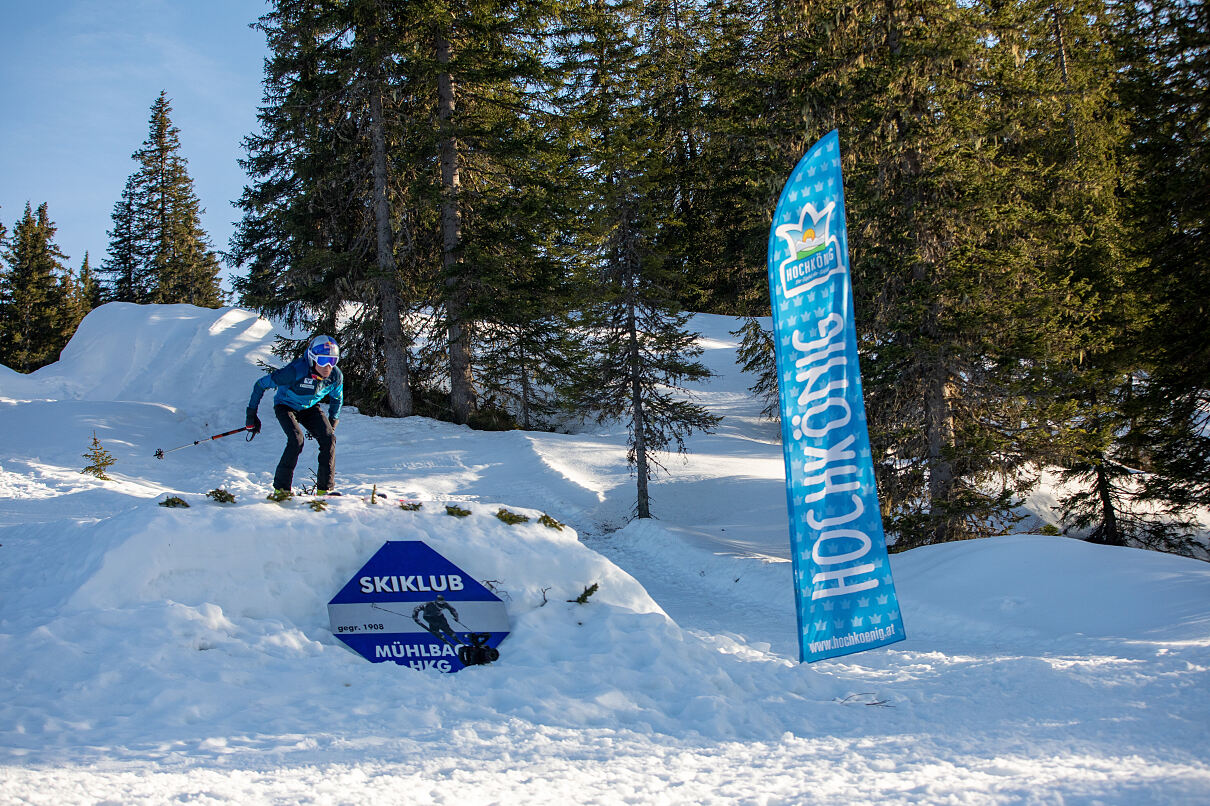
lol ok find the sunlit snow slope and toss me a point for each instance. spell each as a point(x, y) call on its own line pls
point(153, 654)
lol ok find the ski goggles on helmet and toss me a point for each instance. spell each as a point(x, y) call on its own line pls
point(323, 352)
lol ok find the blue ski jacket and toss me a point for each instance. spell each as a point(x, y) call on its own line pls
point(299, 388)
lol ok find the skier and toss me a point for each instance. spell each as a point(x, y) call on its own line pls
point(301, 385)
point(434, 620)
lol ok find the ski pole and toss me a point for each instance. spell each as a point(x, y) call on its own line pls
point(159, 453)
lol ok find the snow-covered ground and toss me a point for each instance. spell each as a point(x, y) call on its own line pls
point(156, 655)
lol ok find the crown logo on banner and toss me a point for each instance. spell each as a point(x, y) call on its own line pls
point(810, 262)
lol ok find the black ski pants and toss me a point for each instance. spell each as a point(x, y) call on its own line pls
point(317, 425)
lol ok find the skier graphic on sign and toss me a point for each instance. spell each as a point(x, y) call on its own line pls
point(434, 620)
point(400, 606)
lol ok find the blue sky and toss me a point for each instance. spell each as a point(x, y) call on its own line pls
point(77, 81)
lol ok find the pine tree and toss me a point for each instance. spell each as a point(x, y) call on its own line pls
point(158, 251)
point(99, 459)
point(123, 272)
point(179, 258)
point(327, 219)
point(423, 148)
point(643, 350)
point(81, 293)
point(31, 294)
point(960, 309)
point(1165, 47)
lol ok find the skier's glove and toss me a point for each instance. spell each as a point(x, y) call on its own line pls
point(253, 422)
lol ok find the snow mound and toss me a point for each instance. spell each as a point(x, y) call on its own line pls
point(284, 561)
point(175, 354)
point(1053, 589)
point(157, 655)
point(204, 613)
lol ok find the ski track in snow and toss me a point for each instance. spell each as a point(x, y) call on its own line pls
point(155, 655)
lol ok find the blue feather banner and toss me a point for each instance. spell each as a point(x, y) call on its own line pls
point(844, 593)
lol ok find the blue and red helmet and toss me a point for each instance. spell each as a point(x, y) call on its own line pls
point(323, 351)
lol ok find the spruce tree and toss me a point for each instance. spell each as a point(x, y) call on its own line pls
point(669, 79)
point(521, 253)
point(752, 128)
point(3, 275)
point(32, 304)
point(158, 251)
point(486, 70)
point(327, 220)
point(89, 286)
point(124, 277)
point(529, 354)
point(757, 357)
point(81, 293)
point(643, 351)
point(183, 266)
point(959, 307)
point(1088, 178)
point(99, 459)
point(406, 139)
point(1165, 48)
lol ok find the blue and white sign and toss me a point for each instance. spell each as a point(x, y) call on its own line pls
point(844, 593)
point(411, 605)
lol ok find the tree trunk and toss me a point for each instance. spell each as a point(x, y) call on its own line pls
point(637, 414)
point(462, 392)
point(1061, 47)
point(525, 386)
point(1109, 534)
point(939, 433)
point(399, 390)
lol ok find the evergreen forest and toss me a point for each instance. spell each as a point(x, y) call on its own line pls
point(506, 213)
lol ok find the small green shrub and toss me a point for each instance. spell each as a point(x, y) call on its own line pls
point(222, 496)
point(457, 511)
point(511, 518)
point(550, 522)
point(174, 501)
point(588, 592)
point(319, 505)
point(1050, 529)
point(410, 506)
point(99, 459)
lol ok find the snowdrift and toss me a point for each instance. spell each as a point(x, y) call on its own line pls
point(168, 354)
point(179, 604)
point(156, 654)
